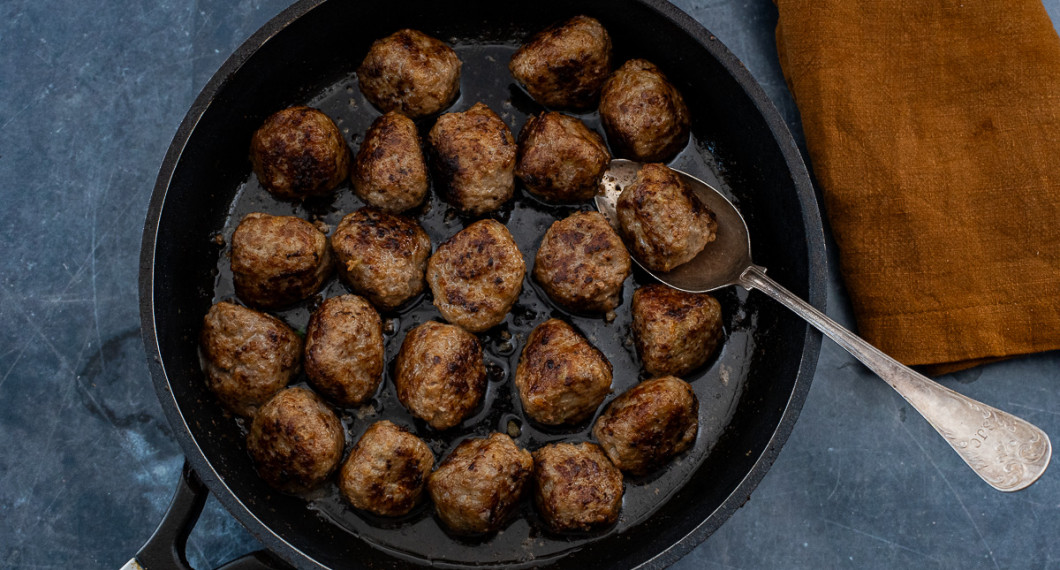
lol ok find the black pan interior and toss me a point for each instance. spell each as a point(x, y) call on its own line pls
point(750, 394)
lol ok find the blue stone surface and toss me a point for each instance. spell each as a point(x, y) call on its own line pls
point(91, 94)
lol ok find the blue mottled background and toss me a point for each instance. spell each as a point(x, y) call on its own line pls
point(91, 94)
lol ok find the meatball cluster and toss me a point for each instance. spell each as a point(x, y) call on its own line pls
point(565, 65)
point(474, 157)
point(665, 224)
point(410, 72)
point(299, 152)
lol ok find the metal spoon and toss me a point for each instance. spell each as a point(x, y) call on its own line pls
point(1007, 452)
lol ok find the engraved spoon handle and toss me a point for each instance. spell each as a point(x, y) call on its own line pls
point(1009, 453)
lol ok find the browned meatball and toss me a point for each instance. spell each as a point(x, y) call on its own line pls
point(645, 117)
point(344, 350)
point(389, 171)
point(560, 159)
point(662, 220)
point(295, 440)
point(299, 152)
point(675, 332)
point(387, 470)
point(566, 64)
point(649, 424)
point(577, 487)
point(561, 378)
point(382, 256)
point(248, 356)
point(582, 263)
point(411, 72)
point(278, 260)
point(476, 275)
point(440, 374)
point(479, 484)
point(473, 154)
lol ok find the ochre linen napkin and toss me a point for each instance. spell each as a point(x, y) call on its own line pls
point(933, 128)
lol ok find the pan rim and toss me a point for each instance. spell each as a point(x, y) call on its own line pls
point(816, 272)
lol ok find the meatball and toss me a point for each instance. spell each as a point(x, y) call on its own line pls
point(577, 488)
point(278, 260)
point(675, 332)
point(299, 152)
point(561, 378)
point(565, 65)
point(477, 275)
point(662, 220)
point(582, 263)
point(473, 154)
point(295, 440)
point(411, 72)
point(382, 256)
point(387, 470)
point(248, 356)
point(389, 171)
point(479, 484)
point(440, 374)
point(645, 117)
point(560, 159)
point(344, 350)
point(649, 424)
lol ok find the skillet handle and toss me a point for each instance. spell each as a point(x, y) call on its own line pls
point(165, 550)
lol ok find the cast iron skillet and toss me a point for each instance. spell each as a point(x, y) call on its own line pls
point(750, 394)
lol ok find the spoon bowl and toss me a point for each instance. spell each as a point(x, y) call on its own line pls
point(1007, 452)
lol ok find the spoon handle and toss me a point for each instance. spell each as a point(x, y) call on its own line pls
point(1008, 452)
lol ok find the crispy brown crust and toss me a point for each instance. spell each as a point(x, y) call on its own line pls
point(645, 117)
point(473, 155)
point(649, 424)
point(577, 488)
point(344, 350)
point(299, 152)
point(560, 159)
point(440, 374)
point(411, 72)
point(382, 256)
point(389, 171)
point(278, 260)
point(477, 486)
point(249, 356)
point(295, 440)
point(675, 332)
point(476, 275)
point(561, 378)
point(565, 65)
point(386, 471)
point(662, 220)
point(582, 263)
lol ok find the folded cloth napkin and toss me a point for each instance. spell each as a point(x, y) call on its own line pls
point(933, 128)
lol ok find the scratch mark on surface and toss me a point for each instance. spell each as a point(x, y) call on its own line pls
point(956, 495)
point(880, 539)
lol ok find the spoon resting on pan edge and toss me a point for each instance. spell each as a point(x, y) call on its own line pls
point(1008, 452)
